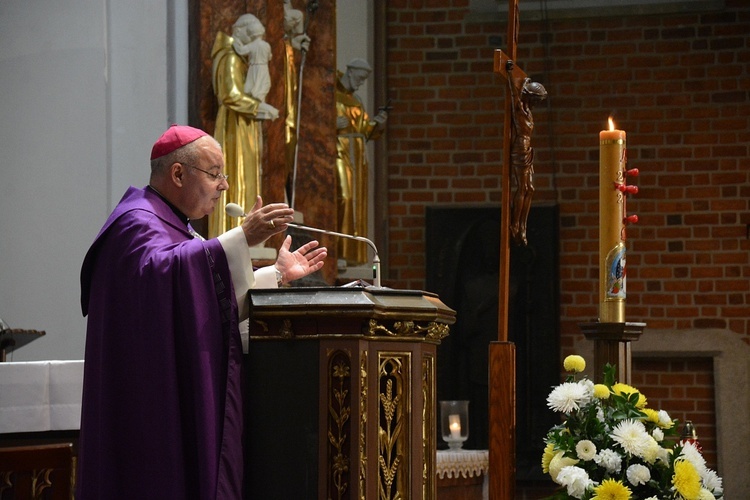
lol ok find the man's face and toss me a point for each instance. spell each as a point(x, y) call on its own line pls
point(357, 77)
point(201, 191)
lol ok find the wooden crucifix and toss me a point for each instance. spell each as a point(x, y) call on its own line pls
point(521, 95)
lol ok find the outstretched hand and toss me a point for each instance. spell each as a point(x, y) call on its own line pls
point(263, 222)
point(305, 260)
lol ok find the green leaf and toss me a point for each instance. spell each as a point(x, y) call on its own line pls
point(609, 375)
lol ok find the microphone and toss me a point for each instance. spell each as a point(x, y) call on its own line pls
point(234, 210)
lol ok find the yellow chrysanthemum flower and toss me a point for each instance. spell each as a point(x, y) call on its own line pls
point(547, 456)
point(621, 389)
point(611, 490)
point(574, 363)
point(651, 415)
point(686, 480)
point(601, 391)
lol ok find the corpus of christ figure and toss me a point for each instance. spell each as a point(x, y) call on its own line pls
point(524, 95)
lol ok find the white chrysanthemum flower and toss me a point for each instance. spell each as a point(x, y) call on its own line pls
point(610, 460)
point(575, 479)
point(694, 456)
point(558, 462)
point(567, 397)
point(665, 421)
point(638, 474)
point(589, 386)
point(658, 434)
point(631, 435)
point(585, 449)
point(600, 414)
point(663, 455)
point(651, 498)
point(651, 453)
point(706, 495)
point(712, 482)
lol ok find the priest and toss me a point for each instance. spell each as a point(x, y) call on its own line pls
point(162, 403)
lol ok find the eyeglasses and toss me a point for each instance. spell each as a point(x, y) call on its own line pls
point(216, 177)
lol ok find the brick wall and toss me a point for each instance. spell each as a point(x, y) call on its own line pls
point(685, 389)
point(678, 84)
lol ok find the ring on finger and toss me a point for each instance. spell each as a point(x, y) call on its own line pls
point(271, 224)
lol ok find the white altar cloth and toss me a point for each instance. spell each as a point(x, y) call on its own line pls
point(464, 463)
point(38, 396)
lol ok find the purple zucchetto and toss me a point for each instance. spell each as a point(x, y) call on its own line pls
point(175, 137)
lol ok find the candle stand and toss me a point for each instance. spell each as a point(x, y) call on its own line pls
point(612, 345)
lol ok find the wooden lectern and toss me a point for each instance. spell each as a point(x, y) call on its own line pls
point(341, 393)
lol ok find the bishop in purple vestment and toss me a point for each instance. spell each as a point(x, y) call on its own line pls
point(162, 406)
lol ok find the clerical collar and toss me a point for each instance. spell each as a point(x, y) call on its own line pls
point(177, 212)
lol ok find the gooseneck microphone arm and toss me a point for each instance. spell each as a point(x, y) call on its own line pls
point(234, 210)
point(375, 258)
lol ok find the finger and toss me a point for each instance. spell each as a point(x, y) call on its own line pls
point(307, 247)
point(258, 204)
point(272, 207)
point(316, 267)
point(317, 256)
point(287, 242)
point(282, 212)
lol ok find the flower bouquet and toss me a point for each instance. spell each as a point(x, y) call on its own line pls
point(611, 446)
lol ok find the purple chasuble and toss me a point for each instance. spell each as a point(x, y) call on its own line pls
point(162, 406)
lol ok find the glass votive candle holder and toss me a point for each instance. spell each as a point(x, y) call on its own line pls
point(454, 423)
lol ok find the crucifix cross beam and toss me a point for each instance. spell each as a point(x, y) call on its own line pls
point(505, 66)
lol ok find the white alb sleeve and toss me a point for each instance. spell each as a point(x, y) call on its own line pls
point(240, 266)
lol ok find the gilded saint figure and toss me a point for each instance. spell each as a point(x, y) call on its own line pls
point(354, 129)
point(239, 120)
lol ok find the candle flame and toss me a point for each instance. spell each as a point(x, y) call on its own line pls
point(611, 123)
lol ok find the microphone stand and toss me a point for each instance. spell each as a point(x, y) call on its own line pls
point(375, 259)
point(234, 210)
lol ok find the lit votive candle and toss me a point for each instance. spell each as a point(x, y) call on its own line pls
point(454, 423)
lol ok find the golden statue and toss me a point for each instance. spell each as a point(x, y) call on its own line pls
point(355, 128)
point(238, 122)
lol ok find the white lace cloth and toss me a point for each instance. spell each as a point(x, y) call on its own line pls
point(464, 463)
